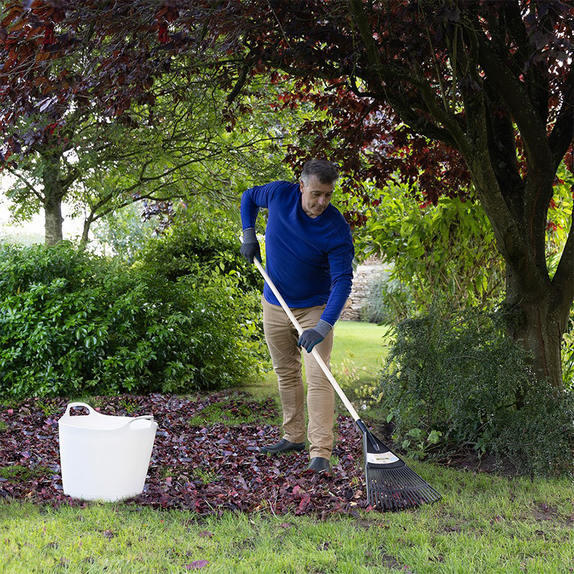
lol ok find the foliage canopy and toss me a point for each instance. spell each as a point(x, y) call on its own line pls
point(440, 92)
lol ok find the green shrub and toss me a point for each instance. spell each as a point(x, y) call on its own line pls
point(187, 253)
point(73, 323)
point(457, 377)
point(186, 247)
point(447, 249)
point(538, 438)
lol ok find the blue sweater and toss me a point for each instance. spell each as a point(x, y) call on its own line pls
point(308, 259)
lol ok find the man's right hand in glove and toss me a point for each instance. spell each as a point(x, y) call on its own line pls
point(250, 246)
point(311, 337)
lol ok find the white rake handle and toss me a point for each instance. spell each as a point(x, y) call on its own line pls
point(314, 351)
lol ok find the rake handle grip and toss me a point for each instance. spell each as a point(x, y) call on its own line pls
point(314, 352)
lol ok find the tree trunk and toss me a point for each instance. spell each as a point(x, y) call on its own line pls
point(53, 229)
point(538, 326)
point(86, 228)
point(54, 192)
point(540, 305)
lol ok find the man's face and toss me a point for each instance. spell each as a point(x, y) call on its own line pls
point(315, 196)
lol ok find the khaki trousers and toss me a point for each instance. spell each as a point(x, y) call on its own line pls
point(282, 337)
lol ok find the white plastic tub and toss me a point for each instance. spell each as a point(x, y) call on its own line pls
point(104, 457)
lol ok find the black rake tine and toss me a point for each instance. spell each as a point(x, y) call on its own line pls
point(394, 486)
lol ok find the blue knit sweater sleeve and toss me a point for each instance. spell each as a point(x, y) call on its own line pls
point(308, 259)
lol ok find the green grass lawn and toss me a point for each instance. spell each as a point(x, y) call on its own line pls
point(358, 351)
point(483, 524)
point(366, 343)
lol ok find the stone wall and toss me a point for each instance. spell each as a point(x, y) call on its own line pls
point(359, 293)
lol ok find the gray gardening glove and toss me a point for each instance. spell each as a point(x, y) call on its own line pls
point(311, 337)
point(250, 247)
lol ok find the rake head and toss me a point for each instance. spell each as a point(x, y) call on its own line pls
point(391, 484)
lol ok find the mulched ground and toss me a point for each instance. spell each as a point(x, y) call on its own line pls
point(204, 468)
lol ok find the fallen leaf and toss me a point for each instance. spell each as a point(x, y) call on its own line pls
point(197, 565)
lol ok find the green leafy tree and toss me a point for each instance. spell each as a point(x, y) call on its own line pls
point(124, 233)
point(177, 147)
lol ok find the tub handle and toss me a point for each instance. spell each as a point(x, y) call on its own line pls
point(140, 418)
point(91, 411)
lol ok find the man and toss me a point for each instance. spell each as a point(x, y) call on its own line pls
point(309, 252)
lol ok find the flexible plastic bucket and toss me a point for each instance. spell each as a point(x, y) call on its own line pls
point(104, 457)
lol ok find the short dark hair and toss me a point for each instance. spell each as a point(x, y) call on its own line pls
point(324, 170)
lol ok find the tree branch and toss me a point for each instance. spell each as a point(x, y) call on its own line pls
point(26, 183)
point(451, 134)
point(241, 80)
point(518, 103)
point(562, 134)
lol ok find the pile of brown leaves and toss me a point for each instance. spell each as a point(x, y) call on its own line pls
point(204, 468)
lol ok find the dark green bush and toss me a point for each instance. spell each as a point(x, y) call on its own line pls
point(568, 353)
point(186, 247)
point(73, 323)
point(457, 376)
point(539, 437)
